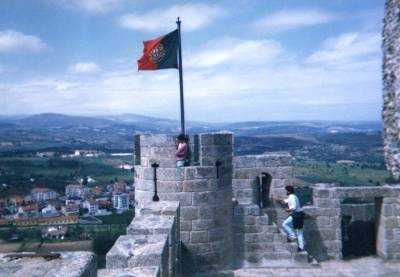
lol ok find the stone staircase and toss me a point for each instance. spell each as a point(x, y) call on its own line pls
point(262, 242)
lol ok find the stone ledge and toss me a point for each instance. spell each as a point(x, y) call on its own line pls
point(150, 271)
point(139, 250)
point(70, 264)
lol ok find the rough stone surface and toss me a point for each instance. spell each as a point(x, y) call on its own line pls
point(204, 193)
point(391, 87)
point(130, 272)
point(71, 264)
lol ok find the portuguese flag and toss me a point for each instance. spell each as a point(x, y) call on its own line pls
point(160, 53)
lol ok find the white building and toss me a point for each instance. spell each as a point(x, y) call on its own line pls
point(49, 210)
point(91, 205)
point(126, 166)
point(74, 191)
point(43, 194)
point(121, 202)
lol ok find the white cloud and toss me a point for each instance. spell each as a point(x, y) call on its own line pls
point(291, 19)
point(347, 48)
point(193, 16)
point(231, 50)
point(84, 67)
point(229, 79)
point(91, 6)
point(13, 41)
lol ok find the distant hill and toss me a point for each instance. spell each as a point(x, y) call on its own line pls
point(155, 124)
point(115, 132)
point(53, 120)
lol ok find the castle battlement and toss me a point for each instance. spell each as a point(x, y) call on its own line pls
point(220, 213)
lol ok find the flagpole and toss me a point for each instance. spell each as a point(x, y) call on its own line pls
point(178, 22)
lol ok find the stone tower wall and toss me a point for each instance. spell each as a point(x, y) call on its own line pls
point(205, 198)
point(248, 171)
point(391, 86)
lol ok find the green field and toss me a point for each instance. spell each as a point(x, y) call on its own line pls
point(20, 174)
point(344, 174)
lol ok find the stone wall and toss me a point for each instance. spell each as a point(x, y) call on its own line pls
point(249, 170)
point(70, 264)
point(323, 224)
point(204, 193)
point(391, 86)
point(152, 243)
point(258, 241)
point(257, 238)
point(359, 212)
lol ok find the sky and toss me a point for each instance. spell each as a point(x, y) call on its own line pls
point(243, 60)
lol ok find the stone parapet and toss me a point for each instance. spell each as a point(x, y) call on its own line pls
point(216, 147)
point(204, 192)
point(152, 240)
point(323, 222)
point(264, 160)
point(130, 272)
point(261, 176)
point(139, 251)
point(70, 264)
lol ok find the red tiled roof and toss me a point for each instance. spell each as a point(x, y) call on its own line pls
point(39, 189)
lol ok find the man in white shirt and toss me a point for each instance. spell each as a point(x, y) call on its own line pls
point(293, 225)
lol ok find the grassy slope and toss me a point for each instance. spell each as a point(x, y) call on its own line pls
point(348, 175)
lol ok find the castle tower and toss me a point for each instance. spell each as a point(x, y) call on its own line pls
point(204, 191)
point(391, 87)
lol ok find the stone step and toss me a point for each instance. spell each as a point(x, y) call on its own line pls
point(301, 257)
point(279, 246)
point(292, 247)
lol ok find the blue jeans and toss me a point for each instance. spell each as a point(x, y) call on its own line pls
point(180, 163)
point(293, 233)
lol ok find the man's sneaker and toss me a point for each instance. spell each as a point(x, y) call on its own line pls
point(291, 239)
point(300, 250)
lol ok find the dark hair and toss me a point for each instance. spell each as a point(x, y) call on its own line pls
point(289, 189)
point(182, 137)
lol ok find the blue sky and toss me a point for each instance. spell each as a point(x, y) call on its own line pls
point(243, 60)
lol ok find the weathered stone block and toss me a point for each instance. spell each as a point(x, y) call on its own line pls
point(189, 213)
point(171, 174)
point(207, 212)
point(185, 236)
point(206, 172)
point(195, 185)
point(202, 198)
point(279, 183)
point(202, 224)
point(323, 202)
point(170, 186)
point(327, 234)
point(217, 234)
point(321, 192)
point(149, 271)
point(198, 236)
point(77, 264)
point(156, 140)
point(170, 208)
point(223, 139)
point(184, 198)
point(186, 225)
point(149, 225)
point(206, 139)
point(199, 247)
point(149, 255)
point(250, 220)
point(244, 161)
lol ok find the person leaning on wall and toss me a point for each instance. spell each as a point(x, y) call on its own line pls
point(182, 150)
